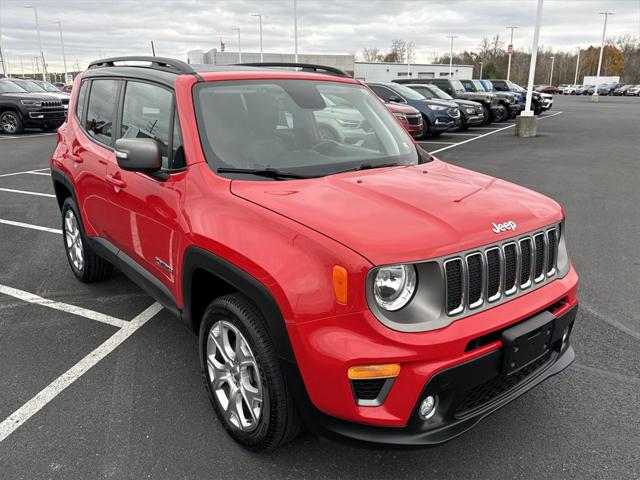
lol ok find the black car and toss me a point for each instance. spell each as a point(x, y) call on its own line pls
point(490, 105)
point(438, 115)
point(506, 99)
point(40, 86)
point(537, 100)
point(20, 109)
point(471, 113)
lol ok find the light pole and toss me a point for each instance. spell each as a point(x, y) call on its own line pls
point(553, 60)
point(21, 66)
point(4, 69)
point(526, 122)
point(575, 79)
point(295, 29)
point(510, 52)
point(44, 64)
point(604, 33)
point(451, 55)
point(239, 46)
point(64, 57)
point(260, 20)
point(480, 70)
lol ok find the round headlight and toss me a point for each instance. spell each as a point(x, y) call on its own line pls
point(394, 286)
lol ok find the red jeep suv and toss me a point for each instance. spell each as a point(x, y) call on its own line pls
point(358, 286)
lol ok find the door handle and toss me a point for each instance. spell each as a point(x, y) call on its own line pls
point(75, 158)
point(116, 182)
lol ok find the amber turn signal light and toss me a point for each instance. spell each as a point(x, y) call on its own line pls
point(371, 372)
point(340, 283)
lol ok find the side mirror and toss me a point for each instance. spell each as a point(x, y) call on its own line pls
point(138, 154)
point(395, 99)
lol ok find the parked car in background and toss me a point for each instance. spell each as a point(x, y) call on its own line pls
point(547, 89)
point(520, 98)
point(67, 88)
point(633, 91)
point(438, 115)
point(340, 122)
point(583, 89)
point(562, 87)
point(471, 113)
point(33, 87)
point(510, 107)
point(547, 101)
point(409, 117)
point(622, 90)
point(569, 90)
point(611, 87)
point(20, 108)
point(58, 85)
point(489, 101)
point(537, 103)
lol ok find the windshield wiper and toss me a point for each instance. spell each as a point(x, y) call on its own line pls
point(267, 172)
point(366, 166)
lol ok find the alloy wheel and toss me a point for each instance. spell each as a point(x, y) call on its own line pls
point(73, 240)
point(9, 123)
point(234, 376)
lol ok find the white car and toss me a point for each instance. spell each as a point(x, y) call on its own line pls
point(570, 89)
point(547, 101)
point(582, 89)
point(633, 91)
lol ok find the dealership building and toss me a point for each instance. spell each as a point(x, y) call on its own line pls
point(365, 71)
point(385, 72)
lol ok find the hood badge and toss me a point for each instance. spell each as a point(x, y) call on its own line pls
point(503, 227)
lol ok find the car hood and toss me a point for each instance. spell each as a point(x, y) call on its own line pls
point(403, 214)
point(466, 103)
point(45, 97)
point(433, 101)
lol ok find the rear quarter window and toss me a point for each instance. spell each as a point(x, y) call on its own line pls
point(82, 96)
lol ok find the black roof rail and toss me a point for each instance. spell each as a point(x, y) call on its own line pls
point(155, 63)
point(305, 67)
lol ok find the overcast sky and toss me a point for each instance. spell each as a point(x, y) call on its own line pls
point(120, 27)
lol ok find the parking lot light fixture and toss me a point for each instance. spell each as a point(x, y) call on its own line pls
point(510, 52)
point(575, 79)
point(604, 33)
point(64, 58)
point(481, 70)
point(44, 64)
point(553, 61)
point(260, 20)
point(451, 55)
point(295, 29)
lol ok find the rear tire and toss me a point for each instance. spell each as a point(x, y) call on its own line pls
point(501, 114)
point(11, 123)
point(241, 371)
point(86, 265)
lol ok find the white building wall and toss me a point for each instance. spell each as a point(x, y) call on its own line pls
point(385, 72)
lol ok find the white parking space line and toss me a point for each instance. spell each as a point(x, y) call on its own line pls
point(21, 137)
point(29, 225)
point(33, 406)
point(25, 192)
point(461, 134)
point(63, 307)
point(439, 143)
point(488, 133)
point(23, 172)
point(39, 173)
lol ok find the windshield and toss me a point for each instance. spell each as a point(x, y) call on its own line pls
point(423, 90)
point(515, 88)
point(30, 86)
point(49, 87)
point(478, 85)
point(408, 93)
point(436, 92)
point(487, 85)
point(10, 87)
point(457, 86)
point(290, 125)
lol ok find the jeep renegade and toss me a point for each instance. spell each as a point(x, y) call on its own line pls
point(357, 285)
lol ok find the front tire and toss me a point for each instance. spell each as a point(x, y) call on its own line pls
point(242, 374)
point(487, 115)
point(501, 114)
point(86, 264)
point(11, 123)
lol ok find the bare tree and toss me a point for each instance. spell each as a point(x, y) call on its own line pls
point(372, 55)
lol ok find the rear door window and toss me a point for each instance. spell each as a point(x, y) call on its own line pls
point(101, 108)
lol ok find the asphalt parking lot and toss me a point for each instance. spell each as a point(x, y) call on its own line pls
point(97, 382)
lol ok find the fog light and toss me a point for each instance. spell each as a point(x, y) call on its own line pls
point(428, 407)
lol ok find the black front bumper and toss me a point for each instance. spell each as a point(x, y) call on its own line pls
point(466, 394)
point(44, 117)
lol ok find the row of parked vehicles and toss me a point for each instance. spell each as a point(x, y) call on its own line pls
point(615, 88)
point(31, 103)
point(440, 105)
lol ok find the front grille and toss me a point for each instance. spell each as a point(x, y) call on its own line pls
point(414, 119)
point(499, 270)
point(490, 390)
point(50, 104)
point(367, 389)
point(65, 101)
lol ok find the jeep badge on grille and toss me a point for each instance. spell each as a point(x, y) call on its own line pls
point(503, 227)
